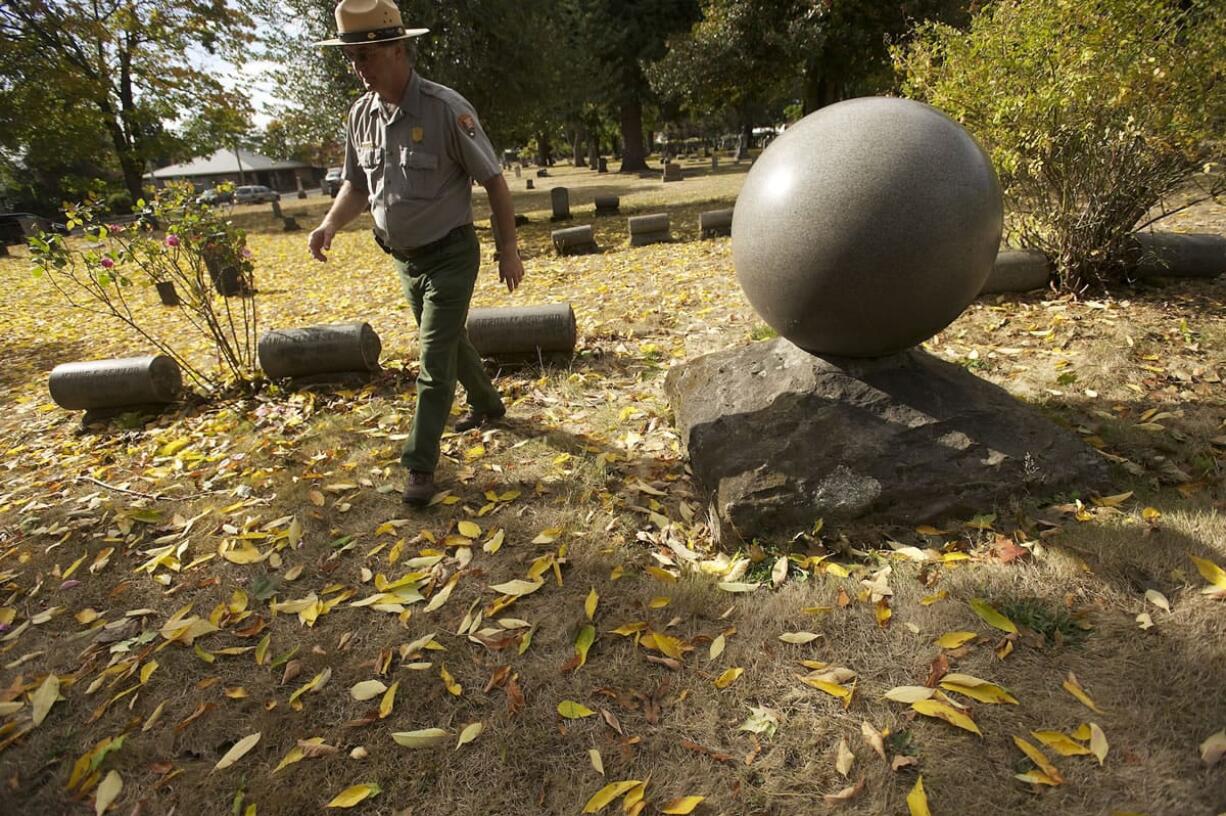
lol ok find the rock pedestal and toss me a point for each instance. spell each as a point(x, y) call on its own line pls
point(121, 383)
point(338, 348)
point(778, 438)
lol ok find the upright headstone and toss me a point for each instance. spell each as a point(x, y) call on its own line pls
point(648, 229)
point(607, 204)
point(559, 197)
point(604, 165)
point(518, 172)
point(574, 240)
point(338, 348)
point(121, 383)
point(301, 190)
point(715, 222)
point(522, 330)
point(672, 172)
point(276, 209)
point(714, 162)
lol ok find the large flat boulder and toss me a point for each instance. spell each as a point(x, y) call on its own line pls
point(778, 437)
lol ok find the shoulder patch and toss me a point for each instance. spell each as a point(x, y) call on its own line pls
point(467, 124)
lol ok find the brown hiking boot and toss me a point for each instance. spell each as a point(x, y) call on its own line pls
point(420, 488)
point(475, 419)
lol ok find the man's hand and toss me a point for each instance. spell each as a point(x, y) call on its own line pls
point(510, 269)
point(321, 240)
point(349, 204)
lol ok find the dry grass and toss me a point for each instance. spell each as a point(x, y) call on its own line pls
point(589, 446)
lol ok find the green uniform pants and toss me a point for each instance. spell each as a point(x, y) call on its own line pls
point(439, 285)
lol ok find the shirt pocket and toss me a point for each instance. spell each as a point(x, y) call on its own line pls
point(370, 159)
point(420, 173)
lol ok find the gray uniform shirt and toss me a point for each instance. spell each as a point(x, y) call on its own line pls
point(416, 163)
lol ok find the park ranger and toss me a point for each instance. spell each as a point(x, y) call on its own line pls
point(412, 148)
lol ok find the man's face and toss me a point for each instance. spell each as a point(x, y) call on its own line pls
point(375, 63)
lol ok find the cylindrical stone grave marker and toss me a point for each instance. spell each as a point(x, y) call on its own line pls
point(574, 240)
point(648, 229)
point(522, 330)
point(715, 222)
point(1177, 255)
point(559, 197)
point(118, 383)
point(328, 349)
point(607, 204)
point(1017, 270)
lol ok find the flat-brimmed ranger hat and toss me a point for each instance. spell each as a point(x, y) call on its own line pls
point(369, 21)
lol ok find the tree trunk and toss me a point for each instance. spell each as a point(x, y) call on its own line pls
point(544, 156)
point(822, 87)
point(577, 147)
point(634, 158)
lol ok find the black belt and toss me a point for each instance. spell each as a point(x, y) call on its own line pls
point(458, 234)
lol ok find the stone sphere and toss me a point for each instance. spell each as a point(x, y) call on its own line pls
point(867, 227)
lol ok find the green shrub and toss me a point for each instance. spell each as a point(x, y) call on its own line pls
point(188, 252)
point(1095, 112)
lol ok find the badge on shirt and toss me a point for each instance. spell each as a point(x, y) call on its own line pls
point(418, 134)
point(468, 125)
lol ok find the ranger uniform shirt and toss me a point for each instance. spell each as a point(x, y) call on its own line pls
point(416, 163)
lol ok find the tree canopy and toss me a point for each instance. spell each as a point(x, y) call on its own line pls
point(114, 67)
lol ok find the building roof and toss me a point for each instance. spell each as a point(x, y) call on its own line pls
point(224, 162)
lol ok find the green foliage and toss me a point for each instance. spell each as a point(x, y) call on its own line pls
point(197, 253)
point(1094, 113)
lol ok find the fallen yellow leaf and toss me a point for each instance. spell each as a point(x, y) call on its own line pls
point(917, 800)
point(1074, 688)
point(574, 711)
point(355, 795)
point(728, 678)
point(236, 753)
point(608, 794)
point(946, 712)
point(1039, 759)
point(952, 640)
point(992, 617)
point(682, 805)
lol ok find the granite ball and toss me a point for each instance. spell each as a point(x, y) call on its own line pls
point(867, 227)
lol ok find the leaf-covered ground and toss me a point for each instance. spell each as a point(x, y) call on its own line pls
point(228, 609)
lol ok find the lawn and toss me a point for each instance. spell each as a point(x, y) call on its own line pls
point(238, 584)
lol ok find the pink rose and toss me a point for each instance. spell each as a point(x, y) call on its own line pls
point(172, 240)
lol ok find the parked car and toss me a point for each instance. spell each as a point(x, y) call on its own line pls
point(332, 181)
point(215, 196)
point(16, 227)
point(255, 194)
